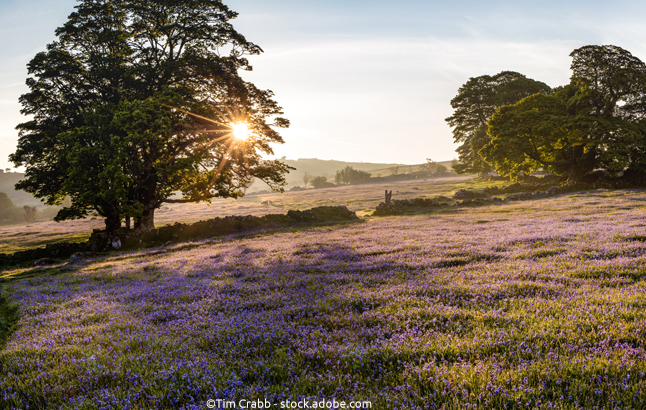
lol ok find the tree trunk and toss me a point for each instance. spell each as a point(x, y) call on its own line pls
point(112, 225)
point(148, 197)
point(575, 170)
point(146, 222)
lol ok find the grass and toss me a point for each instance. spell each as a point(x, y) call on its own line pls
point(360, 198)
point(8, 320)
point(19, 238)
point(541, 306)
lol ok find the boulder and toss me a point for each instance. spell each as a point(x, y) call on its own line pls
point(115, 243)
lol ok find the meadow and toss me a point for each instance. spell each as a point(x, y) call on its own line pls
point(532, 304)
point(359, 198)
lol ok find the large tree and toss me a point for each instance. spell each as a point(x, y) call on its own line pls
point(474, 105)
point(138, 99)
point(595, 122)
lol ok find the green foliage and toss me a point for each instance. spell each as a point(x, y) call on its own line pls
point(432, 168)
point(593, 122)
point(321, 182)
point(306, 179)
point(6, 204)
point(29, 213)
point(349, 175)
point(9, 213)
point(474, 105)
point(135, 101)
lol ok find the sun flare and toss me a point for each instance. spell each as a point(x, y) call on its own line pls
point(240, 130)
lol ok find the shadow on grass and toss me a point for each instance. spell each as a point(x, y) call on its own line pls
point(9, 311)
point(8, 320)
point(33, 271)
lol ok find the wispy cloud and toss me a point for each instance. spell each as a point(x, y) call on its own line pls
point(393, 93)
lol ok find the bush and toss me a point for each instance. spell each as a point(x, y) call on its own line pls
point(349, 175)
point(321, 182)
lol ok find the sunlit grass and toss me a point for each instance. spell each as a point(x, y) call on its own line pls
point(363, 198)
point(538, 307)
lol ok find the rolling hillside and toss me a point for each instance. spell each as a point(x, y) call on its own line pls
point(328, 168)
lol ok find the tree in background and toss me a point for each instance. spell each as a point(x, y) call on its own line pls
point(341, 176)
point(433, 168)
point(9, 212)
point(338, 177)
point(135, 101)
point(349, 175)
point(596, 121)
point(6, 204)
point(321, 182)
point(29, 213)
point(306, 179)
point(474, 105)
point(429, 166)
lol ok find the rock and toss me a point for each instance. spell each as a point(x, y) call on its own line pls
point(384, 210)
point(116, 243)
point(44, 262)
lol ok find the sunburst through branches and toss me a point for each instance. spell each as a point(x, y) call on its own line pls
point(235, 134)
point(240, 131)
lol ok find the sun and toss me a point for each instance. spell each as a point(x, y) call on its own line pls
point(240, 130)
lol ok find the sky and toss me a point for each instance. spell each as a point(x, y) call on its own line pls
point(365, 80)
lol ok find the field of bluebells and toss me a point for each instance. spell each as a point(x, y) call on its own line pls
point(535, 304)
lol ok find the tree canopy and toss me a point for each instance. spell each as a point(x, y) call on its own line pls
point(138, 99)
point(349, 175)
point(474, 105)
point(595, 122)
point(9, 212)
point(321, 182)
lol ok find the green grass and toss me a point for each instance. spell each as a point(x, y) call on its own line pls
point(29, 240)
point(8, 319)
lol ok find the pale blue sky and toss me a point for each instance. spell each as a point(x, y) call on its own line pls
point(366, 80)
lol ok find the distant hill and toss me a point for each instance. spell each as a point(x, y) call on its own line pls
point(8, 180)
point(328, 168)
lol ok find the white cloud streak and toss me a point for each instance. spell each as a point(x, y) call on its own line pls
point(391, 95)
